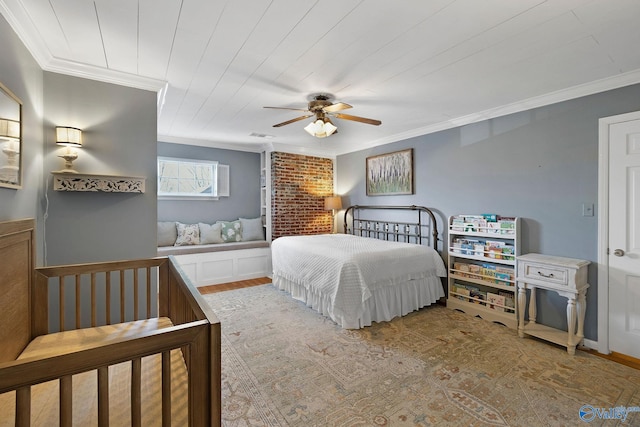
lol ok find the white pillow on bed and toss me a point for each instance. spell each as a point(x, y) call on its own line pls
point(188, 234)
point(252, 229)
point(210, 233)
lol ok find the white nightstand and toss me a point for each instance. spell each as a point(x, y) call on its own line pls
point(565, 276)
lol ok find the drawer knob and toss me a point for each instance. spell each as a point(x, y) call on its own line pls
point(618, 252)
point(548, 276)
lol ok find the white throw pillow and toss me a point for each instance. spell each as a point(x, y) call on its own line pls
point(210, 233)
point(167, 233)
point(252, 229)
point(188, 234)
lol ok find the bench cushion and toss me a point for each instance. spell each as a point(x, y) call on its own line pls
point(199, 249)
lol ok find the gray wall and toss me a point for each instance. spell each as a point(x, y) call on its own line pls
point(244, 177)
point(22, 75)
point(119, 138)
point(540, 165)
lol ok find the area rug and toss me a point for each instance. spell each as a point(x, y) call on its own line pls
point(284, 364)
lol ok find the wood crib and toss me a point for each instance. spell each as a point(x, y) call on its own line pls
point(134, 343)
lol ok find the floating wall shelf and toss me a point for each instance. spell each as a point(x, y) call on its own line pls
point(97, 183)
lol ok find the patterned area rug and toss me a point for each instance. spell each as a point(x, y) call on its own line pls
point(285, 365)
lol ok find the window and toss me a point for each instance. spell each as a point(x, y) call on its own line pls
point(193, 179)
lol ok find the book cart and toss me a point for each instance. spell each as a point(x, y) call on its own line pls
point(483, 250)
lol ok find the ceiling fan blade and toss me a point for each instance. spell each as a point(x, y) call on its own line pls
point(358, 119)
point(339, 106)
point(285, 108)
point(297, 119)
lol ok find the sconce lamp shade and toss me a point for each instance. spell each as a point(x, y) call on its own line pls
point(69, 136)
point(333, 203)
point(9, 128)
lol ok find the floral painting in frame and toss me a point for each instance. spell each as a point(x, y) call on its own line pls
point(390, 174)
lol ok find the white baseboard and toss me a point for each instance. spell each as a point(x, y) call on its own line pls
point(590, 344)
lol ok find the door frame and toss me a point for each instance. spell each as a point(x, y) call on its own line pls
point(603, 224)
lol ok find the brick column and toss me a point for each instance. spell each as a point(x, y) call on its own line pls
point(299, 185)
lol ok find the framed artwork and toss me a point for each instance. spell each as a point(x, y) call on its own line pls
point(391, 173)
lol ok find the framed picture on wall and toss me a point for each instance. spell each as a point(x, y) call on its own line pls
point(390, 174)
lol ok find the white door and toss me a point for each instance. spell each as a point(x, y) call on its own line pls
point(624, 238)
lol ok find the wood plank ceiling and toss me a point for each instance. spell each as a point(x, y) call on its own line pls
point(418, 66)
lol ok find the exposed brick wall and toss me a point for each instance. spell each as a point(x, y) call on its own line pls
point(299, 185)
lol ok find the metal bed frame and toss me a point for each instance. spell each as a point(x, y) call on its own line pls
point(398, 231)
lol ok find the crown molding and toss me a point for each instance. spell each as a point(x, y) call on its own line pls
point(105, 75)
point(574, 92)
point(27, 32)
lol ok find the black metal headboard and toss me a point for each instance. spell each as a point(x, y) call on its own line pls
point(363, 221)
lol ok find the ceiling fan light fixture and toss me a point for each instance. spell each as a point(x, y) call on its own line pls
point(321, 107)
point(329, 127)
point(320, 128)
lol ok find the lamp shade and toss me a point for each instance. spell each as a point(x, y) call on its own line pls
point(9, 128)
point(333, 203)
point(321, 128)
point(69, 136)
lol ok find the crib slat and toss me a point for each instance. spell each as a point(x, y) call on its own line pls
point(136, 394)
point(78, 302)
point(136, 316)
point(103, 396)
point(94, 320)
point(61, 301)
point(122, 294)
point(66, 410)
point(108, 297)
point(166, 389)
point(23, 407)
point(148, 292)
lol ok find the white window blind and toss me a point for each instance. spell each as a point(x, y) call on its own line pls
point(192, 179)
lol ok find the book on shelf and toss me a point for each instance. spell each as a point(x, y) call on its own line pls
point(461, 291)
point(484, 223)
point(477, 296)
point(457, 224)
point(495, 301)
point(507, 225)
point(509, 300)
point(504, 276)
point(490, 217)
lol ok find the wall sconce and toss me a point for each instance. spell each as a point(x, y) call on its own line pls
point(9, 128)
point(71, 137)
point(10, 131)
point(333, 204)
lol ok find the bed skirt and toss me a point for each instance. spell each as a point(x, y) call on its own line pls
point(384, 304)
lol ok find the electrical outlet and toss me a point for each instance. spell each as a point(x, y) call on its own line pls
point(587, 209)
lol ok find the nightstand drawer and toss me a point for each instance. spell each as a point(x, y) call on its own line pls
point(546, 273)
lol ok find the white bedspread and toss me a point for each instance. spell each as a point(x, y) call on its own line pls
point(357, 280)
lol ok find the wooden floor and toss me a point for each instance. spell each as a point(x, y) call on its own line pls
point(615, 357)
point(619, 358)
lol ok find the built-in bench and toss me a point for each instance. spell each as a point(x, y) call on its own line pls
point(222, 262)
